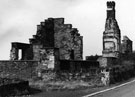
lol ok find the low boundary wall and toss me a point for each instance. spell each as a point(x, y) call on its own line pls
point(18, 69)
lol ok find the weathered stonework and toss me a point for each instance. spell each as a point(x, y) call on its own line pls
point(111, 43)
point(48, 58)
point(111, 35)
point(114, 52)
point(55, 34)
point(58, 46)
point(55, 37)
point(126, 45)
point(68, 40)
point(18, 69)
point(26, 51)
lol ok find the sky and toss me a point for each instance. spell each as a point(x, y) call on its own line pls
point(19, 20)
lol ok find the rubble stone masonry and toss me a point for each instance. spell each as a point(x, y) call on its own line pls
point(111, 35)
point(126, 45)
point(55, 34)
point(52, 35)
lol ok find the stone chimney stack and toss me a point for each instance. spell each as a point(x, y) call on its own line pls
point(111, 9)
point(111, 35)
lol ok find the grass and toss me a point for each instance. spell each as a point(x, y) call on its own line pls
point(72, 88)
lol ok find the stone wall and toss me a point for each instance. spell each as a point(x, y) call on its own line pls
point(55, 37)
point(79, 66)
point(18, 69)
point(126, 45)
point(68, 40)
point(36, 51)
point(49, 58)
point(45, 34)
point(55, 34)
point(26, 51)
point(71, 70)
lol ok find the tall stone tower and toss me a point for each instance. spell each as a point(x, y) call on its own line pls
point(111, 35)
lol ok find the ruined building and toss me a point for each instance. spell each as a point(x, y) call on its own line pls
point(25, 49)
point(111, 35)
point(55, 34)
point(114, 52)
point(112, 46)
point(126, 45)
point(54, 40)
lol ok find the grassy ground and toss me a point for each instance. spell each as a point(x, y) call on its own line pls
point(62, 89)
point(73, 89)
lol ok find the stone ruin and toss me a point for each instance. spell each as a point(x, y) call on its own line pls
point(58, 50)
point(111, 35)
point(112, 46)
point(58, 46)
point(113, 49)
point(53, 41)
point(126, 45)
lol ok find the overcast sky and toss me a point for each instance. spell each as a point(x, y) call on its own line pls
point(18, 20)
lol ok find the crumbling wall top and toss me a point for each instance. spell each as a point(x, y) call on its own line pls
point(110, 4)
point(126, 38)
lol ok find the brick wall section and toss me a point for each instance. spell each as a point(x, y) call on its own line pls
point(18, 69)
